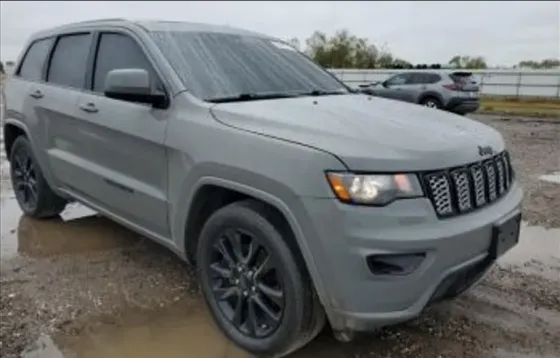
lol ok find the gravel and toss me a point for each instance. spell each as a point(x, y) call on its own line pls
point(64, 290)
point(534, 145)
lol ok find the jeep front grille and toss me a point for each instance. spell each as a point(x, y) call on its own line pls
point(460, 190)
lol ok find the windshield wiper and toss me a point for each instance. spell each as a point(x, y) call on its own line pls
point(251, 97)
point(323, 93)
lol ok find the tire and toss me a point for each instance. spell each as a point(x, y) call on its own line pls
point(300, 316)
point(33, 194)
point(431, 102)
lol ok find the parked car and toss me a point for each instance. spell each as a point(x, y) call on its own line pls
point(298, 200)
point(455, 91)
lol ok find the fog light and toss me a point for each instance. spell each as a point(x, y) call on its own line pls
point(399, 264)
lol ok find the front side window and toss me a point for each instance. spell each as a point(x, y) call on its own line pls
point(220, 65)
point(398, 80)
point(69, 61)
point(117, 51)
point(32, 66)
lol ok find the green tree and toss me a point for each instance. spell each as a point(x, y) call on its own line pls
point(476, 62)
point(400, 63)
point(342, 50)
point(317, 48)
point(544, 64)
point(550, 63)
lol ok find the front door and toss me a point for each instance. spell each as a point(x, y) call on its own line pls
point(400, 87)
point(125, 160)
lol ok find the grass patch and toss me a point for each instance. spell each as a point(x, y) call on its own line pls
point(532, 106)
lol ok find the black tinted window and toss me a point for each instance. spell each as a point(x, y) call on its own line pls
point(69, 60)
point(425, 78)
point(403, 78)
point(32, 65)
point(116, 51)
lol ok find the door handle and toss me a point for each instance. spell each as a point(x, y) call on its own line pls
point(37, 94)
point(89, 107)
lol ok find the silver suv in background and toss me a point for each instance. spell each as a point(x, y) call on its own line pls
point(455, 91)
point(298, 200)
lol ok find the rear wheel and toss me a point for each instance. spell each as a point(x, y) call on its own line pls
point(256, 288)
point(431, 102)
point(34, 196)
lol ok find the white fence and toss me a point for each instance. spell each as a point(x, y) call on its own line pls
point(514, 83)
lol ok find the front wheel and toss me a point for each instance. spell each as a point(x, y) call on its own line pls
point(255, 286)
point(34, 196)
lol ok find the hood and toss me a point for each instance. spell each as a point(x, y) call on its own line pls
point(367, 133)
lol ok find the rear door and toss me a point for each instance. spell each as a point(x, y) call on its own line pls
point(124, 161)
point(421, 83)
point(54, 104)
point(23, 96)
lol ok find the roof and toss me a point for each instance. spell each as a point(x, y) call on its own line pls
point(183, 26)
point(148, 25)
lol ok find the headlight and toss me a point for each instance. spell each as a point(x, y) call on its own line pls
point(374, 189)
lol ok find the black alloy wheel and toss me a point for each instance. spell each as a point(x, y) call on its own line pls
point(255, 282)
point(246, 284)
point(24, 180)
point(33, 193)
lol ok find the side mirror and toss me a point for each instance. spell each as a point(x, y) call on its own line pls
point(385, 84)
point(133, 85)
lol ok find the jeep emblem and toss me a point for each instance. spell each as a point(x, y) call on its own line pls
point(485, 150)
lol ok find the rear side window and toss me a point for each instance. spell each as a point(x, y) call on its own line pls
point(69, 61)
point(32, 66)
point(117, 51)
point(426, 78)
point(431, 78)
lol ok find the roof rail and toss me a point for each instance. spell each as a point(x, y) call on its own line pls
point(98, 20)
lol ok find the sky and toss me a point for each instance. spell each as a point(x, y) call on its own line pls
point(504, 32)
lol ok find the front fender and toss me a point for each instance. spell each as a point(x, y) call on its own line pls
point(276, 194)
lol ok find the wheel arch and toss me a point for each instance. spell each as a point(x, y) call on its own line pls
point(229, 192)
point(431, 94)
point(13, 129)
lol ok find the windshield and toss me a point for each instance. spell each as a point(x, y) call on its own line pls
point(219, 65)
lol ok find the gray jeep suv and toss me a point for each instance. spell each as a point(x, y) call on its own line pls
point(454, 91)
point(297, 199)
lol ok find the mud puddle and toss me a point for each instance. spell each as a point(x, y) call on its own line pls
point(111, 297)
point(183, 331)
point(78, 229)
point(538, 252)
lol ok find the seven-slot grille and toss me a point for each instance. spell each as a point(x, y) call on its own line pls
point(460, 190)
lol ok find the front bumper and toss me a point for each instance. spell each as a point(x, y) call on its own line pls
point(456, 255)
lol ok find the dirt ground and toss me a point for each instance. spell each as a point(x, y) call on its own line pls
point(84, 287)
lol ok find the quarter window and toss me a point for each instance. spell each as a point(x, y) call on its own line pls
point(32, 65)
